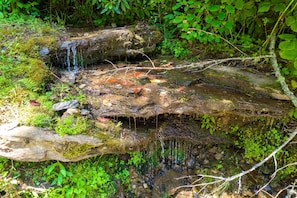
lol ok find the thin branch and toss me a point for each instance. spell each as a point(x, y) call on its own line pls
point(193, 67)
point(140, 52)
point(111, 63)
point(278, 75)
point(274, 174)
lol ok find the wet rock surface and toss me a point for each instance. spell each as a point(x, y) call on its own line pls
point(131, 106)
point(221, 89)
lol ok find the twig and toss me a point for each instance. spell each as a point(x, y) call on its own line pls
point(140, 52)
point(201, 66)
point(274, 174)
point(278, 75)
point(111, 63)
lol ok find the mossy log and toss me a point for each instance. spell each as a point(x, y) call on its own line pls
point(87, 48)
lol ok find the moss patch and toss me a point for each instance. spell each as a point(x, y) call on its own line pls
point(72, 150)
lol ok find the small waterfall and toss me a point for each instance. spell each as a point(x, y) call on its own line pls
point(74, 59)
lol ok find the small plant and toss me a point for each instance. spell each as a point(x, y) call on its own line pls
point(208, 122)
point(41, 120)
point(136, 159)
point(177, 48)
point(71, 125)
point(57, 173)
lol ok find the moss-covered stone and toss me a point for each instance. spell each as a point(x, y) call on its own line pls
point(72, 150)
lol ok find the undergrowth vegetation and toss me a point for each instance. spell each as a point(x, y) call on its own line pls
point(96, 177)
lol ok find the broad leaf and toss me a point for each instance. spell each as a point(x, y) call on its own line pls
point(287, 36)
point(288, 54)
point(229, 25)
point(264, 6)
point(239, 4)
point(288, 45)
point(221, 16)
point(213, 8)
point(208, 19)
point(230, 9)
point(292, 22)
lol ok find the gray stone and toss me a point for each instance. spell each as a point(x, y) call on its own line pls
point(44, 51)
point(65, 105)
point(84, 112)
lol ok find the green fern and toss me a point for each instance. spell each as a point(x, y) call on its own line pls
point(28, 84)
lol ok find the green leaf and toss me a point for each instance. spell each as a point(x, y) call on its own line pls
point(213, 8)
point(230, 9)
point(49, 169)
point(287, 45)
point(287, 36)
point(288, 54)
point(292, 22)
point(216, 23)
point(178, 19)
point(190, 17)
point(249, 5)
point(20, 5)
point(221, 16)
point(169, 16)
point(208, 19)
point(104, 10)
point(63, 170)
point(229, 25)
point(239, 4)
point(176, 6)
point(60, 179)
point(294, 84)
point(227, 1)
point(264, 6)
point(278, 6)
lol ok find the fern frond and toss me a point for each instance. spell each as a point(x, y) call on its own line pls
point(27, 83)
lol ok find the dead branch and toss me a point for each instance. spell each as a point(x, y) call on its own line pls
point(192, 67)
point(278, 75)
point(224, 181)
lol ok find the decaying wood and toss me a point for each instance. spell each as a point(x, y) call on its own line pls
point(88, 48)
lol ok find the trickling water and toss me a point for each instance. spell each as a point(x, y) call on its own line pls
point(72, 55)
point(161, 140)
point(73, 49)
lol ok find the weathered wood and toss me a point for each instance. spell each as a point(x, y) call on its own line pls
point(88, 48)
point(37, 144)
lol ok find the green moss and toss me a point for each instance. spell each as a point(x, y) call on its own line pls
point(71, 150)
